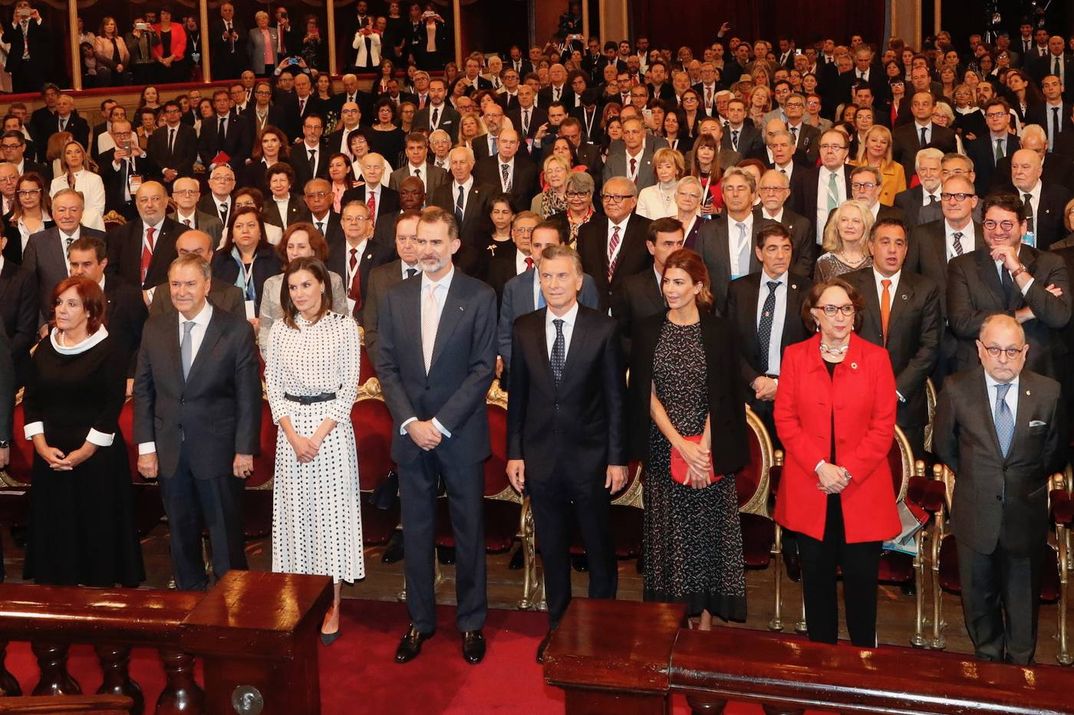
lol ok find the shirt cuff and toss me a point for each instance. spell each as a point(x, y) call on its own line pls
point(34, 428)
point(101, 439)
point(402, 427)
point(443, 430)
point(1025, 288)
point(818, 465)
point(147, 448)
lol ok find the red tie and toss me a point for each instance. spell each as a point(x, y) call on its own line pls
point(529, 263)
point(371, 202)
point(613, 259)
point(147, 250)
point(355, 292)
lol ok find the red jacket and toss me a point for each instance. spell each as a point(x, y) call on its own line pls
point(178, 48)
point(863, 392)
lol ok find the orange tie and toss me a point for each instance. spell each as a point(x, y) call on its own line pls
point(885, 308)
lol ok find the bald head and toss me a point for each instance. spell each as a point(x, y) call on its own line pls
point(196, 242)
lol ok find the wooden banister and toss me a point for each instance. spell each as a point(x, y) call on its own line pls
point(52, 705)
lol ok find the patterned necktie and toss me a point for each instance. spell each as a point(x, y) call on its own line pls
point(885, 308)
point(734, 139)
point(436, 117)
point(147, 251)
point(957, 236)
point(25, 39)
point(529, 263)
point(505, 173)
point(525, 122)
point(1004, 419)
point(223, 214)
point(1027, 198)
point(355, 291)
point(460, 206)
point(764, 325)
point(559, 351)
point(613, 257)
point(411, 272)
point(186, 348)
point(371, 204)
point(794, 136)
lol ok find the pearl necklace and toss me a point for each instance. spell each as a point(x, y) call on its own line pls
point(834, 350)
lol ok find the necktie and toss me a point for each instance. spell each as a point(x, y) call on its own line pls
point(1056, 128)
point(371, 204)
point(833, 193)
point(794, 135)
point(933, 199)
point(223, 214)
point(505, 174)
point(355, 291)
point(186, 222)
point(171, 140)
point(493, 150)
point(1056, 69)
point(1027, 198)
point(147, 250)
point(613, 257)
point(559, 351)
point(25, 39)
point(999, 150)
point(411, 272)
point(529, 263)
point(63, 124)
point(1007, 283)
point(320, 227)
point(764, 325)
point(633, 168)
point(417, 173)
point(301, 105)
point(555, 93)
point(734, 139)
point(885, 308)
point(460, 205)
point(708, 96)
point(525, 122)
point(1004, 419)
point(186, 348)
point(313, 162)
point(957, 236)
point(436, 117)
point(429, 320)
point(924, 136)
point(743, 252)
point(221, 129)
point(67, 243)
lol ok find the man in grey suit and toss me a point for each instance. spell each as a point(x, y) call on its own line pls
point(222, 295)
point(435, 359)
point(633, 158)
point(45, 258)
point(186, 193)
point(418, 165)
point(1000, 428)
point(197, 421)
point(383, 278)
point(522, 293)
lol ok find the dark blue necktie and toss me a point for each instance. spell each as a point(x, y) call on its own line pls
point(559, 351)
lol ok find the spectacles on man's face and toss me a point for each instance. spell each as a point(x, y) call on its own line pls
point(316, 194)
point(994, 351)
point(615, 198)
point(833, 147)
point(1004, 225)
point(831, 310)
point(959, 196)
point(863, 185)
point(10, 145)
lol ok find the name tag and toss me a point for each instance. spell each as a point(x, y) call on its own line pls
point(350, 306)
point(251, 313)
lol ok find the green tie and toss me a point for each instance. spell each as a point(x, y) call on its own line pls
point(999, 150)
point(833, 193)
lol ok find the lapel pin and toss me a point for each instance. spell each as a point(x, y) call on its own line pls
point(1028, 393)
point(904, 297)
point(853, 366)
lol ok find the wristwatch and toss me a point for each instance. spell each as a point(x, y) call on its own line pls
point(4, 444)
point(1018, 271)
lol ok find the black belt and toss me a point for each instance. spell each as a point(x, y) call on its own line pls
point(310, 399)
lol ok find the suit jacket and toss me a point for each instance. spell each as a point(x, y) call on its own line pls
point(472, 256)
point(927, 254)
point(1000, 500)
point(524, 185)
point(750, 142)
point(915, 328)
point(387, 206)
point(803, 239)
point(974, 292)
point(461, 369)
point(255, 49)
point(236, 143)
point(431, 175)
point(230, 54)
point(538, 116)
point(209, 223)
point(864, 429)
point(374, 255)
point(216, 409)
point(18, 314)
point(296, 212)
point(906, 142)
point(982, 151)
point(804, 196)
point(78, 127)
point(125, 252)
point(275, 117)
point(45, 263)
point(381, 280)
point(1042, 115)
point(726, 399)
point(124, 317)
point(300, 162)
point(1048, 219)
point(115, 181)
point(225, 296)
point(633, 258)
point(616, 165)
point(638, 297)
point(714, 249)
point(13, 248)
point(808, 147)
point(914, 209)
point(183, 154)
point(742, 312)
point(37, 38)
point(448, 120)
point(1040, 67)
point(579, 422)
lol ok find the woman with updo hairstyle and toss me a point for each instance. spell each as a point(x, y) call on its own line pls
point(687, 424)
point(81, 507)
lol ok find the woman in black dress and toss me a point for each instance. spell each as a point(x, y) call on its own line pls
point(81, 513)
point(686, 398)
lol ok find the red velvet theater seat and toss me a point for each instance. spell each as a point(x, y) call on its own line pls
point(372, 424)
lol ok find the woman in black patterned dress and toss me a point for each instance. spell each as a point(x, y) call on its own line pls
point(684, 385)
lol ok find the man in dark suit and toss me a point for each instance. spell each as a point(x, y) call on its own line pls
point(15, 149)
point(185, 195)
point(1057, 63)
point(988, 150)
point(515, 257)
point(732, 234)
point(739, 135)
point(641, 295)
point(45, 257)
point(438, 114)
point(1031, 284)
point(29, 59)
point(1000, 427)
point(141, 250)
point(385, 201)
point(526, 116)
point(197, 407)
point(225, 296)
point(173, 147)
point(435, 359)
point(467, 200)
point(227, 40)
point(18, 312)
point(902, 314)
point(235, 140)
point(510, 170)
point(774, 189)
point(68, 120)
point(356, 255)
point(822, 189)
point(921, 204)
point(418, 166)
point(1053, 115)
point(768, 320)
point(383, 277)
point(565, 441)
point(318, 197)
point(218, 201)
point(1044, 202)
point(612, 244)
point(309, 158)
point(122, 168)
point(910, 138)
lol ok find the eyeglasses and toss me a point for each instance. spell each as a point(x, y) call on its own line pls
point(354, 219)
point(616, 198)
point(863, 185)
point(831, 310)
point(773, 189)
point(316, 194)
point(14, 145)
point(577, 194)
point(28, 192)
point(185, 192)
point(996, 115)
point(994, 351)
point(959, 196)
point(833, 147)
point(993, 225)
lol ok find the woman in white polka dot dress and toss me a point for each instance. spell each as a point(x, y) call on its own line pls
point(312, 378)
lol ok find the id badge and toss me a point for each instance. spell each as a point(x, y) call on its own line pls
point(134, 182)
point(250, 312)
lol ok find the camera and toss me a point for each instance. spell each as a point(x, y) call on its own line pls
point(25, 13)
point(141, 26)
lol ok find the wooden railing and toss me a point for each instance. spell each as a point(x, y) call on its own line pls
point(624, 657)
point(255, 632)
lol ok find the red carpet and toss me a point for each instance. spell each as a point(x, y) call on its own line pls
point(358, 673)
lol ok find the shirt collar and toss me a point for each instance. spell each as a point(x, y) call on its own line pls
point(202, 318)
point(993, 382)
point(622, 226)
point(894, 277)
point(569, 318)
point(466, 185)
point(781, 278)
point(445, 281)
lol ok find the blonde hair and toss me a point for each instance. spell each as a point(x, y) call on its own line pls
point(833, 242)
point(671, 156)
point(863, 150)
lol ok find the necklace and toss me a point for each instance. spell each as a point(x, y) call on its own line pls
point(860, 261)
point(834, 349)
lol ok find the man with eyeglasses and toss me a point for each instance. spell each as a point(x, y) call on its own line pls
point(218, 201)
point(1013, 278)
point(318, 196)
point(438, 114)
point(774, 189)
point(310, 156)
point(805, 137)
point(1044, 202)
point(9, 181)
point(141, 250)
point(989, 149)
point(513, 172)
point(186, 193)
point(356, 255)
point(824, 188)
point(612, 243)
point(123, 169)
point(338, 141)
point(13, 146)
point(865, 186)
point(487, 144)
point(1000, 426)
point(513, 258)
point(1057, 168)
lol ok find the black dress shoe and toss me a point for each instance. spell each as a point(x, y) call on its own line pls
point(580, 563)
point(410, 646)
point(473, 647)
point(445, 555)
point(393, 551)
point(543, 646)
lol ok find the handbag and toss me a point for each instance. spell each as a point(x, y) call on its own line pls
point(680, 468)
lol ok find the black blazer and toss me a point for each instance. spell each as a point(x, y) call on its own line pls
point(124, 317)
point(982, 152)
point(374, 255)
point(804, 196)
point(237, 142)
point(476, 222)
point(114, 182)
point(266, 263)
point(906, 141)
point(742, 312)
point(18, 313)
point(125, 252)
point(634, 257)
point(580, 421)
point(296, 212)
point(727, 399)
point(184, 151)
point(13, 247)
point(914, 210)
point(915, 328)
point(387, 206)
point(538, 116)
point(300, 162)
point(638, 297)
point(927, 254)
point(524, 184)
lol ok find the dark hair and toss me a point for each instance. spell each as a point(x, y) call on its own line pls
point(90, 243)
point(551, 225)
point(229, 243)
point(772, 229)
point(254, 193)
point(317, 268)
point(501, 199)
point(996, 101)
point(888, 221)
point(817, 291)
point(1007, 202)
point(14, 134)
point(686, 260)
point(417, 138)
point(316, 240)
point(435, 214)
point(256, 153)
point(668, 224)
point(89, 293)
point(280, 167)
point(385, 102)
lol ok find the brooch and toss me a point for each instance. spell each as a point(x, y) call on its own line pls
point(853, 366)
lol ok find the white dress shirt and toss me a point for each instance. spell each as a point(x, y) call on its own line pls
point(966, 240)
point(622, 237)
point(736, 243)
point(569, 319)
point(779, 317)
point(1034, 204)
point(822, 196)
point(469, 184)
point(441, 292)
point(877, 277)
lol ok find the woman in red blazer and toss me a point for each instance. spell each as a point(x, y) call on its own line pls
point(835, 414)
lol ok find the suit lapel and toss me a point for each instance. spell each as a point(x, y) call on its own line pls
point(793, 311)
point(987, 268)
point(213, 333)
point(900, 300)
point(988, 414)
point(454, 308)
point(528, 306)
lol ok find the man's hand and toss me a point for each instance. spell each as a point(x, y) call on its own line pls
point(616, 478)
point(170, 174)
point(1024, 314)
point(764, 388)
point(1054, 290)
point(1007, 254)
point(516, 473)
point(424, 433)
point(148, 466)
point(243, 466)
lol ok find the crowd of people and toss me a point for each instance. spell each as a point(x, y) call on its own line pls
point(813, 233)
